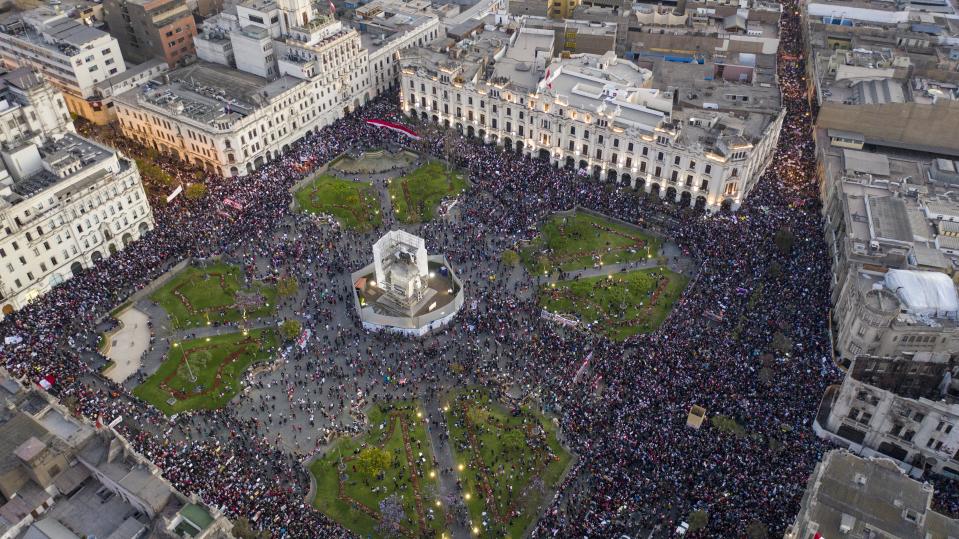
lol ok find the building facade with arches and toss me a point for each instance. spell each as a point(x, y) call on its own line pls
point(65, 204)
point(672, 130)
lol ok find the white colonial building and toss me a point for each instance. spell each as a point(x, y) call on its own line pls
point(71, 55)
point(271, 72)
point(65, 203)
point(604, 116)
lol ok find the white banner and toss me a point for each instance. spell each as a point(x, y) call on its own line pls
point(177, 191)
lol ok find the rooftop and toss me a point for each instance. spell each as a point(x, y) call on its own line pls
point(46, 28)
point(210, 93)
point(379, 27)
point(124, 469)
point(63, 159)
point(847, 495)
point(87, 513)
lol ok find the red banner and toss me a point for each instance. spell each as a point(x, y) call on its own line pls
point(395, 127)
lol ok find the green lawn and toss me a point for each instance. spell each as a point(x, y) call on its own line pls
point(515, 458)
point(198, 296)
point(354, 204)
point(394, 480)
point(416, 196)
point(218, 363)
point(647, 295)
point(582, 241)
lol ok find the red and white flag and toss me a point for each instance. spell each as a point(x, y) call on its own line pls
point(395, 127)
point(332, 8)
point(818, 536)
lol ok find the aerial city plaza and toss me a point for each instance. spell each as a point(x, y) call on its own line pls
point(481, 269)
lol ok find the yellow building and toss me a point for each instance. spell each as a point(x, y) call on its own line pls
point(561, 9)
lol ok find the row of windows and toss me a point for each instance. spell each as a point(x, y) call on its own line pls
point(600, 139)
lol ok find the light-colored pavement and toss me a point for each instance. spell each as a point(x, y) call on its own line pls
point(127, 344)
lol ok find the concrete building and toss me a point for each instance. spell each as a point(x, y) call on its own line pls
point(287, 58)
point(675, 131)
point(227, 121)
point(71, 55)
point(31, 109)
point(148, 29)
point(64, 204)
point(887, 210)
point(386, 28)
point(851, 496)
point(62, 477)
point(904, 409)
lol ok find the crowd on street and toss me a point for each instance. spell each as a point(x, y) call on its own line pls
point(639, 466)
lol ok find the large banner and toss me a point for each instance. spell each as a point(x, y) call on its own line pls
point(177, 191)
point(395, 127)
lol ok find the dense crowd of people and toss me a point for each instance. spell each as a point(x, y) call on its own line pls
point(639, 466)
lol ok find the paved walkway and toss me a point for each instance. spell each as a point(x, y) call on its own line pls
point(444, 460)
point(127, 344)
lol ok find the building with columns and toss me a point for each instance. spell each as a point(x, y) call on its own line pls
point(684, 132)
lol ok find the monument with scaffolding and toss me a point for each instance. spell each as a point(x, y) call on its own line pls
point(405, 289)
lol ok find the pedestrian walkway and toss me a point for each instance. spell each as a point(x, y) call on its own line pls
point(126, 345)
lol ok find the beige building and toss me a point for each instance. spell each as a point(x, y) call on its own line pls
point(664, 129)
point(851, 496)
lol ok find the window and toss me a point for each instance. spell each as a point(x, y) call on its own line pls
point(676, 160)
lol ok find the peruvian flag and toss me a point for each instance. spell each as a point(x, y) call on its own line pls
point(332, 8)
point(395, 127)
point(818, 536)
point(46, 382)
